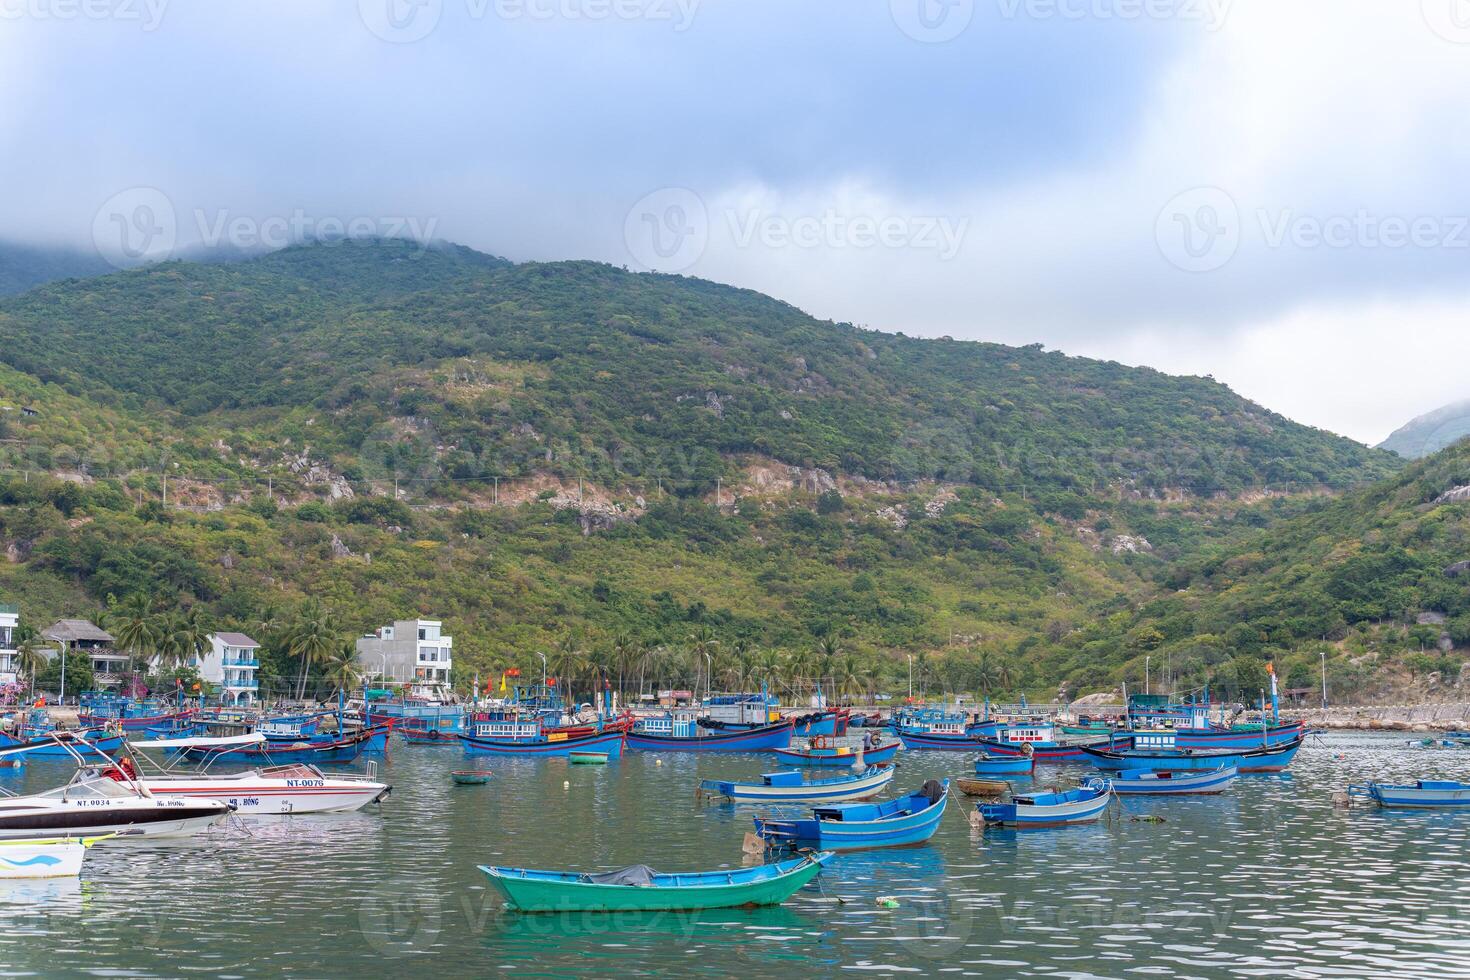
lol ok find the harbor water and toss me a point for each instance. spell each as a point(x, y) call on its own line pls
point(1269, 879)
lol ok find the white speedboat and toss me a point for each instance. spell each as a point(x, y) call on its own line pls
point(93, 804)
point(274, 790)
point(57, 857)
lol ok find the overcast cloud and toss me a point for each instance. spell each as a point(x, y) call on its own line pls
point(1269, 192)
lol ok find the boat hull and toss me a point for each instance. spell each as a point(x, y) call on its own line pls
point(527, 891)
point(1022, 814)
point(747, 740)
point(172, 818)
point(60, 858)
point(46, 748)
point(609, 742)
point(904, 830)
point(1053, 751)
point(836, 759)
point(1274, 759)
point(1211, 738)
point(870, 783)
point(1004, 766)
point(1169, 782)
point(1422, 796)
point(260, 797)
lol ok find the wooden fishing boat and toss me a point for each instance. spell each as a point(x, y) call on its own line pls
point(790, 787)
point(823, 752)
point(471, 777)
point(983, 787)
point(1436, 794)
point(316, 748)
point(1062, 808)
point(528, 740)
point(1273, 758)
point(641, 889)
point(1002, 765)
point(651, 735)
point(54, 857)
point(944, 741)
point(53, 744)
point(587, 758)
point(826, 722)
point(428, 736)
point(908, 820)
point(1173, 782)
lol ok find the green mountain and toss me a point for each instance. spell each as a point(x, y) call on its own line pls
point(25, 266)
point(571, 454)
point(1430, 432)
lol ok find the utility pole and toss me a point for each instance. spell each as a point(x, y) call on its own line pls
point(165, 489)
point(1324, 678)
point(495, 494)
point(270, 488)
point(717, 493)
point(1145, 674)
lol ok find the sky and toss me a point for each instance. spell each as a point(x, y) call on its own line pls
point(1269, 192)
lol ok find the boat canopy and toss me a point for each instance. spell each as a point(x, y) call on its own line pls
point(228, 741)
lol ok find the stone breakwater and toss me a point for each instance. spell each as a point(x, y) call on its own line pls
point(1394, 717)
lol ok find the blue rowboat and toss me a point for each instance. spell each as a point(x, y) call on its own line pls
point(1271, 759)
point(1437, 794)
point(1003, 765)
point(837, 756)
point(532, 743)
point(908, 820)
point(641, 889)
point(1170, 782)
point(790, 787)
point(697, 738)
point(1083, 804)
point(913, 738)
point(44, 745)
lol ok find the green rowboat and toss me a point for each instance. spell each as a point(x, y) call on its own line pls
point(641, 889)
point(587, 758)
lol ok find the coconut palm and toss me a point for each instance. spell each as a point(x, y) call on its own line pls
point(702, 645)
point(313, 636)
point(851, 676)
point(342, 669)
point(30, 658)
point(566, 661)
point(135, 626)
point(992, 672)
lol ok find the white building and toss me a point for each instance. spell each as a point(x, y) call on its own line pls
point(410, 651)
point(231, 663)
point(9, 623)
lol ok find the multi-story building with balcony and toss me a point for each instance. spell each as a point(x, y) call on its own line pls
point(411, 651)
point(9, 624)
point(78, 637)
point(230, 664)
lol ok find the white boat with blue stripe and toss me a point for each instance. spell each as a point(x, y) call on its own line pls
point(1083, 804)
point(1426, 794)
point(791, 787)
point(1173, 782)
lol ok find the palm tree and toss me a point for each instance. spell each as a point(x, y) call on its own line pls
point(313, 636)
point(797, 668)
point(851, 678)
point(566, 661)
point(342, 669)
point(134, 624)
point(702, 644)
point(767, 666)
point(30, 658)
point(992, 672)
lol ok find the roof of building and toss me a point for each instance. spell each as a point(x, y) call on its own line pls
point(9, 610)
point(235, 640)
point(72, 630)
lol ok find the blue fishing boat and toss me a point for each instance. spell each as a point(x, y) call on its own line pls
point(790, 787)
point(1004, 765)
point(824, 722)
point(1426, 794)
point(939, 739)
point(534, 739)
point(906, 821)
point(52, 744)
point(1172, 782)
point(343, 747)
point(1062, 808)
point(1273, 758)
point(821, 752)
point(671, 734)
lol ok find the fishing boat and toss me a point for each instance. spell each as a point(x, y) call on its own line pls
point(641, 889)
point(1436, 794)
point(265, 791)
point(699, 735)
point(471, 777)
point(983, 787)
point(1173, 782)
point(1273, 758)
point(53, 744)
point(824, 752)
point(790, 787)
point(1061, 808)
point(428, 736)
point(939, 739)
point(823, 722)
point(531, 738)
point(587, 758)
point(1038, 739)
point(329, 747)
point(1004, 765)
point(1433, 743)
point(54, 857)
point(906, 821)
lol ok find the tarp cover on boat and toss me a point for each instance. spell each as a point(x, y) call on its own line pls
point(254, 738)
point(638, 874)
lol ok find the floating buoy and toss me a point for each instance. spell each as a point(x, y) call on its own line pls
point(566, 784)
point(658, 762)
point(887, 902)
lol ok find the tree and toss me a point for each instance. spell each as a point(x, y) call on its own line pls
point(702, 644)
point(567, 661)
point(342, 669)
point(312, 637)
point(135, 625)
point(30, 657)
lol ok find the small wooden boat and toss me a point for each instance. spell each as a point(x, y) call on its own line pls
point(790, 787)
point(1436, 794)
point(641, 889)
point(528, 740)
point(1171, 782)
point(822, 752)
point(1433, 743)
point(587, 758)
point(665, 735)
point(1083, 804)
point(1272, 758)
point(908, 820)
point(1001, 765)
point(471, 777)
point(51, 857)
point(983, 787)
